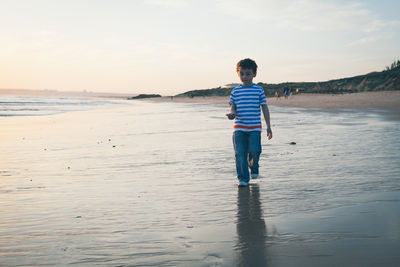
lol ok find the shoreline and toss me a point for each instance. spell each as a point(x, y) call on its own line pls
point(384, 100)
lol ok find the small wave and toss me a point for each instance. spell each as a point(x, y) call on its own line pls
point(11, 106)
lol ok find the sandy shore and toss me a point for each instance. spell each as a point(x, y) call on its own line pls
point(385, 100)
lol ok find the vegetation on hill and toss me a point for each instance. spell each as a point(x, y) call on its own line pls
point(394, 65)
point(387, 80)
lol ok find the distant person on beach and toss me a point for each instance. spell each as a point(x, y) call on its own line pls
point(245, 102)
point(286, 92)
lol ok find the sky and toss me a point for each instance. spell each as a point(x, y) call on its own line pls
point(172, 46)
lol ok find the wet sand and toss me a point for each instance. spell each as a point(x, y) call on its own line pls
point(148, 185)
point(364, 234)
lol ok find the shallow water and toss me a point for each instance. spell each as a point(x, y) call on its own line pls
point(153, 184)
point(15, 106)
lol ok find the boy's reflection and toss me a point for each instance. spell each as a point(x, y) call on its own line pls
point(251, 228)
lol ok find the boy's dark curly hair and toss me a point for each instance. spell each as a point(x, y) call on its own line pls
point(247, 63)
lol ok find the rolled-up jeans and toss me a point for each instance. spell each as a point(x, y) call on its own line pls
point(247, 147)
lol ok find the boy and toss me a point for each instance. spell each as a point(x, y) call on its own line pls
point(245, 102)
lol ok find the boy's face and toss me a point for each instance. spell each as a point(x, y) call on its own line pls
point(246, 76)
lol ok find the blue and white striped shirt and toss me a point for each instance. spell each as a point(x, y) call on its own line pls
point(248, 101)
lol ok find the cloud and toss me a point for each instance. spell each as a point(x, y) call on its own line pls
point(251, 9)
point(168, 3)
point(366, 40)
point(376, 25)
point(307, 15)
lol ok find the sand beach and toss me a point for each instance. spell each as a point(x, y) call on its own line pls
point(384, 99)
point(152, 183)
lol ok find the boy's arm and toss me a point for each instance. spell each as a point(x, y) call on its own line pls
point(265, 111)
point(232, 113)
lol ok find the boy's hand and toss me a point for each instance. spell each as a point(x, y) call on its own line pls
point(269, 133)
point(231, 115)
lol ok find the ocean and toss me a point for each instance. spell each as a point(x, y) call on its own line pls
point(139, 183)
point(13, 105)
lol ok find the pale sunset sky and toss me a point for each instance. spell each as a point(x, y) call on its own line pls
point(172, 46)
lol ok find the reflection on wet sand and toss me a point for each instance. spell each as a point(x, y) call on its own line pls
point(251, 228)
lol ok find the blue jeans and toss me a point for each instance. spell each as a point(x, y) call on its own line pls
point(247, 147)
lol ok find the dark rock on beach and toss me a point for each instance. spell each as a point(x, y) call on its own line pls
point(141, 96)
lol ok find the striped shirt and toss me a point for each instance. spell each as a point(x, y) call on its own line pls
point(247, 101)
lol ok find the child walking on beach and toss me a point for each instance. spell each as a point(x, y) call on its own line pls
point(245, 102)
